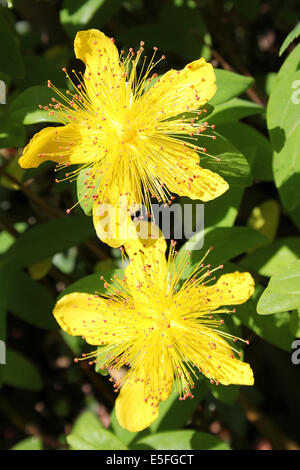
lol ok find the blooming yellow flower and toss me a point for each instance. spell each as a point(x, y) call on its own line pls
point(163, 334)
point(127, 134)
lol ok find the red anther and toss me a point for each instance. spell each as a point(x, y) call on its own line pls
point(68, 211)
point(163, 57)
point(142, 43)
point(214, 137)
point(213, 126)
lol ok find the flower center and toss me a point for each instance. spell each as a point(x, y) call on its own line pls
point(126, 133)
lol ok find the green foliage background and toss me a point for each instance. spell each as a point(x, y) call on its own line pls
point(48, 402)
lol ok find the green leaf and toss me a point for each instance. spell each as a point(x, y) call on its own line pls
point(233, 110)
point(290, 38)
point(20, 372)
point(254, 145)
point(92, 283)
point(30, 443)
point(11, 60)
point(229, 85)
point(86, 420)
point(290, 65)
point(89, 434)
point(233, 165)
point(47, 239)
point(86, 203)
point(275, 328)
point(12, 134)
point(225, 393)
point(173, 413)
point(39, 69)
point(223, 211)
point(228, 242)
point(33, 303)
point(283, 292)
point(273, 258)
point(182, 440)
point(12, 169)
point(283, 120)
point(25, 108)
point(76, 14)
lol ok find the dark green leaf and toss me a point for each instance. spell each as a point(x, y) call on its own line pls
point(275, 328)
point(233, 110)
point(25, 106)
point(20, 372)
point(254, 145)
point(47, 239)
point(92, 283)
point(11, 61)
point(233, 165)
point(173, 413)
point(12, 134)
point(228, 242)
point(30, 301)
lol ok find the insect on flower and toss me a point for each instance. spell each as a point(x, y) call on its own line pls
point(154, 334)
point(135, 134)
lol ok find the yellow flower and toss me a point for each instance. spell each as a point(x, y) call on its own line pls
point(164, 335)
point(127, 134)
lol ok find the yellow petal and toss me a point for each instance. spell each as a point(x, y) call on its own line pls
point(111, 224)
point(179, 170)
point(82, 314)
point(234, 288)
point(135, 410)
point(199, 183)
point(94, 48)
point(216, 361)
point(133, 413)
point(230, 289)
point(100, 56)
point(147, 272)
point(50, 144)
point(185, 90)
point(116, 200)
